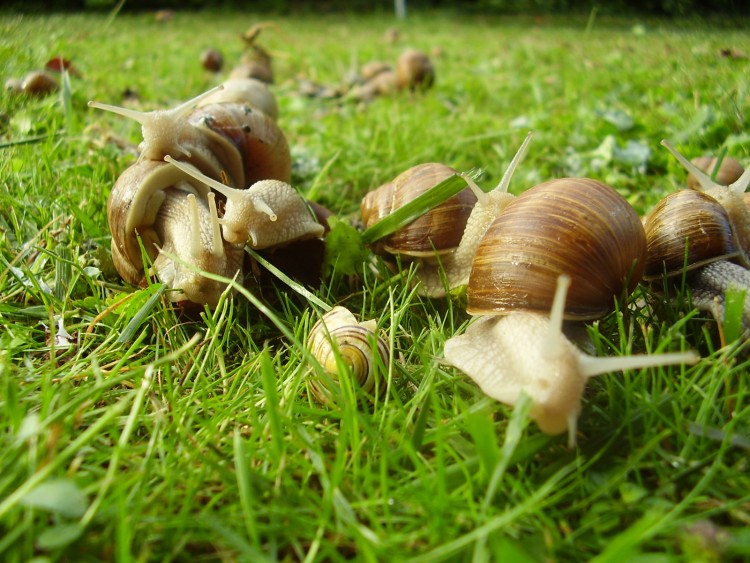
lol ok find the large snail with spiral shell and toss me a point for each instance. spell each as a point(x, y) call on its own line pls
point(223, 136)
point(345, 347)
point(566, 249)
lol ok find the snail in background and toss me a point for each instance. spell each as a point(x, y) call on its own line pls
point(704, 233)
point(230, 140)
point(339, 342)
point(444, 240)
point(572, 233)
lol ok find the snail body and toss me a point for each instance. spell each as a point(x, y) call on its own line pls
point(525, 352)
point(339, 339)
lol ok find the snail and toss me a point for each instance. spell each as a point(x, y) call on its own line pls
point(212, 60)
point(269, 213)
point(414, 70)
point(704, 233)
point(219, 140)
point(36, 83)
point(572, 233)
point(730, 170)
point(444, 240)
point(574, 226)
point(233, 138)
point(169, 212)
point(526, 352)
point(339, 340)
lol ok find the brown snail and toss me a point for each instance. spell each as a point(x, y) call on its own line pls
point(565, 249)
point(444, 240)
point(343, 346)
point(730, 170)
point(705, 234)
point(230, 140)
point(414, 70)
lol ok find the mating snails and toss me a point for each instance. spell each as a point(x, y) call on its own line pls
point(444, 240)
point(706, 234)
point(226, 138)
point(343, 346)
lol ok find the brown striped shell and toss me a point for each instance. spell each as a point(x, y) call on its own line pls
point(440, 230)
point(339, 337)
point(729, 171)
point(574, 226)
point(686, 230)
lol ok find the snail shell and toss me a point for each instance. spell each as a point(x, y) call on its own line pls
point(338, 336)
point(729, 171)
point(574, 226)
point(440, 230)
point(687, 230)
point(245, 91)
point(414, 70)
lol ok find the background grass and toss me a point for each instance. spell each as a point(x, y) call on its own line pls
point(129, 433)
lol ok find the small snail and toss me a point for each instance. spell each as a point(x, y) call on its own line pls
point(527, 352)
point(269, 213)
point(706, 233)
point(337, 340)
point(445, 239)
point(414, 70)
point(212, 60)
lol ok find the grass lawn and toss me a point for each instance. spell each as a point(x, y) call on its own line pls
point(129, 432)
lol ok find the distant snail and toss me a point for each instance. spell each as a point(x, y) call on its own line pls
point(35, 83)
point(414, 70)
point(229, 139)
point(527, 352)
point(339, 340)
point(444, 240)
point(212, 60)
point(705, 234)
point(729, 170)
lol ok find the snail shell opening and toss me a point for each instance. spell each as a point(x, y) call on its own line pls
point(574, 226)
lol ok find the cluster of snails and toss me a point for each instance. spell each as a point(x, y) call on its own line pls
point(567, 249)
point(212, 176)
point(413, 70)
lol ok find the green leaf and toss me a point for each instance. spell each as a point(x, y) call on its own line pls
point(734, 306)
point(58, 495)
point(345, 251)
point(58, 536)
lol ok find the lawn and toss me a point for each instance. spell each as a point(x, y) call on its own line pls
point(130, 431)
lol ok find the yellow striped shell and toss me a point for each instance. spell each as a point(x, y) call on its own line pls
point(356, 344)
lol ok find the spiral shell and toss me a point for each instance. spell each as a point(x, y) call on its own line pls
point(574, 226)
point(339, 338)
point(440, 230)
point(686, 230)
point(729, 171)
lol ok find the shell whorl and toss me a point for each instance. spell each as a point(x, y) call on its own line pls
point(339, 339)
point(574, 226)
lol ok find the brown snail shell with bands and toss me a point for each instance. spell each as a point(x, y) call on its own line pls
point(686, 230)
point(730, 170)
point(438, 230)
point(574, 226)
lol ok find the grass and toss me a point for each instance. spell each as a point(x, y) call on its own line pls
point(132, 433)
